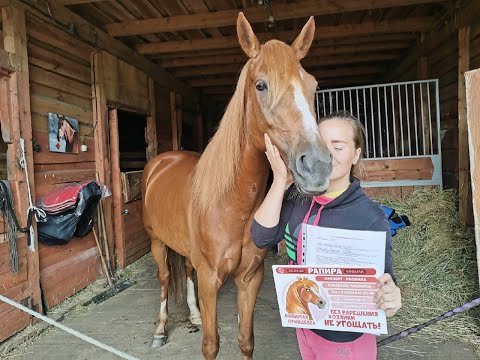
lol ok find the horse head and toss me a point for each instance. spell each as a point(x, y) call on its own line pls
point(280, 97)
point(308, 290)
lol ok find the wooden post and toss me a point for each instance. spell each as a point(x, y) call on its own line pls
point(464, 203)
point(173, 115)
point(151, 138)
point(116, 188)
point(102, 153)
point(472, 84)
point(15, 42)
point(422, 74)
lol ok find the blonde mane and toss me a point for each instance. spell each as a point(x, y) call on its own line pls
point(218, 166)
point(294, 304)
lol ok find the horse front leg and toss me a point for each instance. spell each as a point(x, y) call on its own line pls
point(248, 286)
point(208, 285)
point(194, 317)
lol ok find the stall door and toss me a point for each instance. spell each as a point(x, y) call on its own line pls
point(128, 157)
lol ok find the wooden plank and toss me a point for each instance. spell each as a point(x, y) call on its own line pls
point(51, 255)
point(152, 142)
point(321, 32)
point(96, 38)
point(47, 157)
point(116, 189)
point(102, 152)
point(43, 105)
point(15, 41)
point(74, 2)
point(464, 202)
point(174, 120)
point(13, 322)
point(57, 81)
point(51, 61)
point(472, 84)
point(307, 62)
point(124, 84)
point(390, 175)
point(131, 185)
point(254, 15)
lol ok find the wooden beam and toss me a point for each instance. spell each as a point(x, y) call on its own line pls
point(322, 32)
point(464, 202)
point(319, 74)
point(152, 140)
point(55, 3)
point(312, 67)
point(63, 18)
point(308, 61)
point(8, 62)
point(472, 84)
point(253, 14)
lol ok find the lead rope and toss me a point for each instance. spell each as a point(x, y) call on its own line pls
point(39, 213)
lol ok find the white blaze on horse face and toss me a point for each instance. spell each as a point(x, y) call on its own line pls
point(309, 122)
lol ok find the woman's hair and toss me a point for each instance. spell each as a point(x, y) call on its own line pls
point(358, 130)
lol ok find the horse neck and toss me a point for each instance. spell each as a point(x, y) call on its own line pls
point(252, 172)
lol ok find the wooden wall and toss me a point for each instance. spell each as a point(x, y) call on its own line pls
point(60, 81)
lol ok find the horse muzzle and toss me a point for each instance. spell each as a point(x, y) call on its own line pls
point(321, 304)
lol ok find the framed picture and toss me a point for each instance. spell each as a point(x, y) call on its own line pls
point(63, 134)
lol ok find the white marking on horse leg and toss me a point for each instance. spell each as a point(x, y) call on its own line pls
point(309, 121)
point(195, 318)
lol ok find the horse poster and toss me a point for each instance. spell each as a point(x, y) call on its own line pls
point(62, 133)
point(336, 287)
point(329, 298)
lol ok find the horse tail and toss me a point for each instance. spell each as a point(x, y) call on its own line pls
point(178, 278)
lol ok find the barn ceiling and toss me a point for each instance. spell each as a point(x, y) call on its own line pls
point(356, 42)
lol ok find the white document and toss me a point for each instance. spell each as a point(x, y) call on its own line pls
point(336, 288)
point(333, 247)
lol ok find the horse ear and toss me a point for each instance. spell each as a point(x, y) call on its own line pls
point(302, 43)
point(246, 37)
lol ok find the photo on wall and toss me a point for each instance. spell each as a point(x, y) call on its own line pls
point(63, 134)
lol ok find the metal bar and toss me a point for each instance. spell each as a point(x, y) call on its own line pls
point(380, 123)
point(394, 121)
point(343, 96)
point(408, 121)
point(350, 96)
point(336, 100)
point(401, 118)
point(380, 85)
point(323, 99)
point(366, 124)
point(358, 111)
point(372, 113)
point(423, 120)
point(386, 120)
point(437, 98)
point(330, 102)
point(430, 120)
point(415, 116)
point(318, 108)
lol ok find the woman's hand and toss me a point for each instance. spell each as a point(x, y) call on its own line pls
point(280, 173)
point(388, 296)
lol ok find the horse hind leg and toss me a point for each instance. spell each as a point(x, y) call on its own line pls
point(194, 317)
point(159, 252)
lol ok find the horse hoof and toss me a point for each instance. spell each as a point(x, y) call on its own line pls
point(196, 320)
point(159, 341)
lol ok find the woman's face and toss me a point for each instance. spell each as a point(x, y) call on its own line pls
point(338, 134)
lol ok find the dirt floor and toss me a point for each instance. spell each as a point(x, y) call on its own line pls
point(127, 322)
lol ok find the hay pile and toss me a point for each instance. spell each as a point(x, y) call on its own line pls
point(435, 263)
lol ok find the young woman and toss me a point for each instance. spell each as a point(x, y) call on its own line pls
point(343, 206)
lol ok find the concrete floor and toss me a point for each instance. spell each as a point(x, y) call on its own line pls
point(127, 322)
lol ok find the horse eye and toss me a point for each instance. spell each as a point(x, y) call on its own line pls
point(260, 85)
point(307, 289)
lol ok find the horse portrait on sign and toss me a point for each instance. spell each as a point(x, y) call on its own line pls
point(63, 133)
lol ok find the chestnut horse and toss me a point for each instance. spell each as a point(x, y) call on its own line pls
point(301, 293)
point(66, 131)
point(202, 207)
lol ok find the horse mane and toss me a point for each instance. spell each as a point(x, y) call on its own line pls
point(218, 166)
